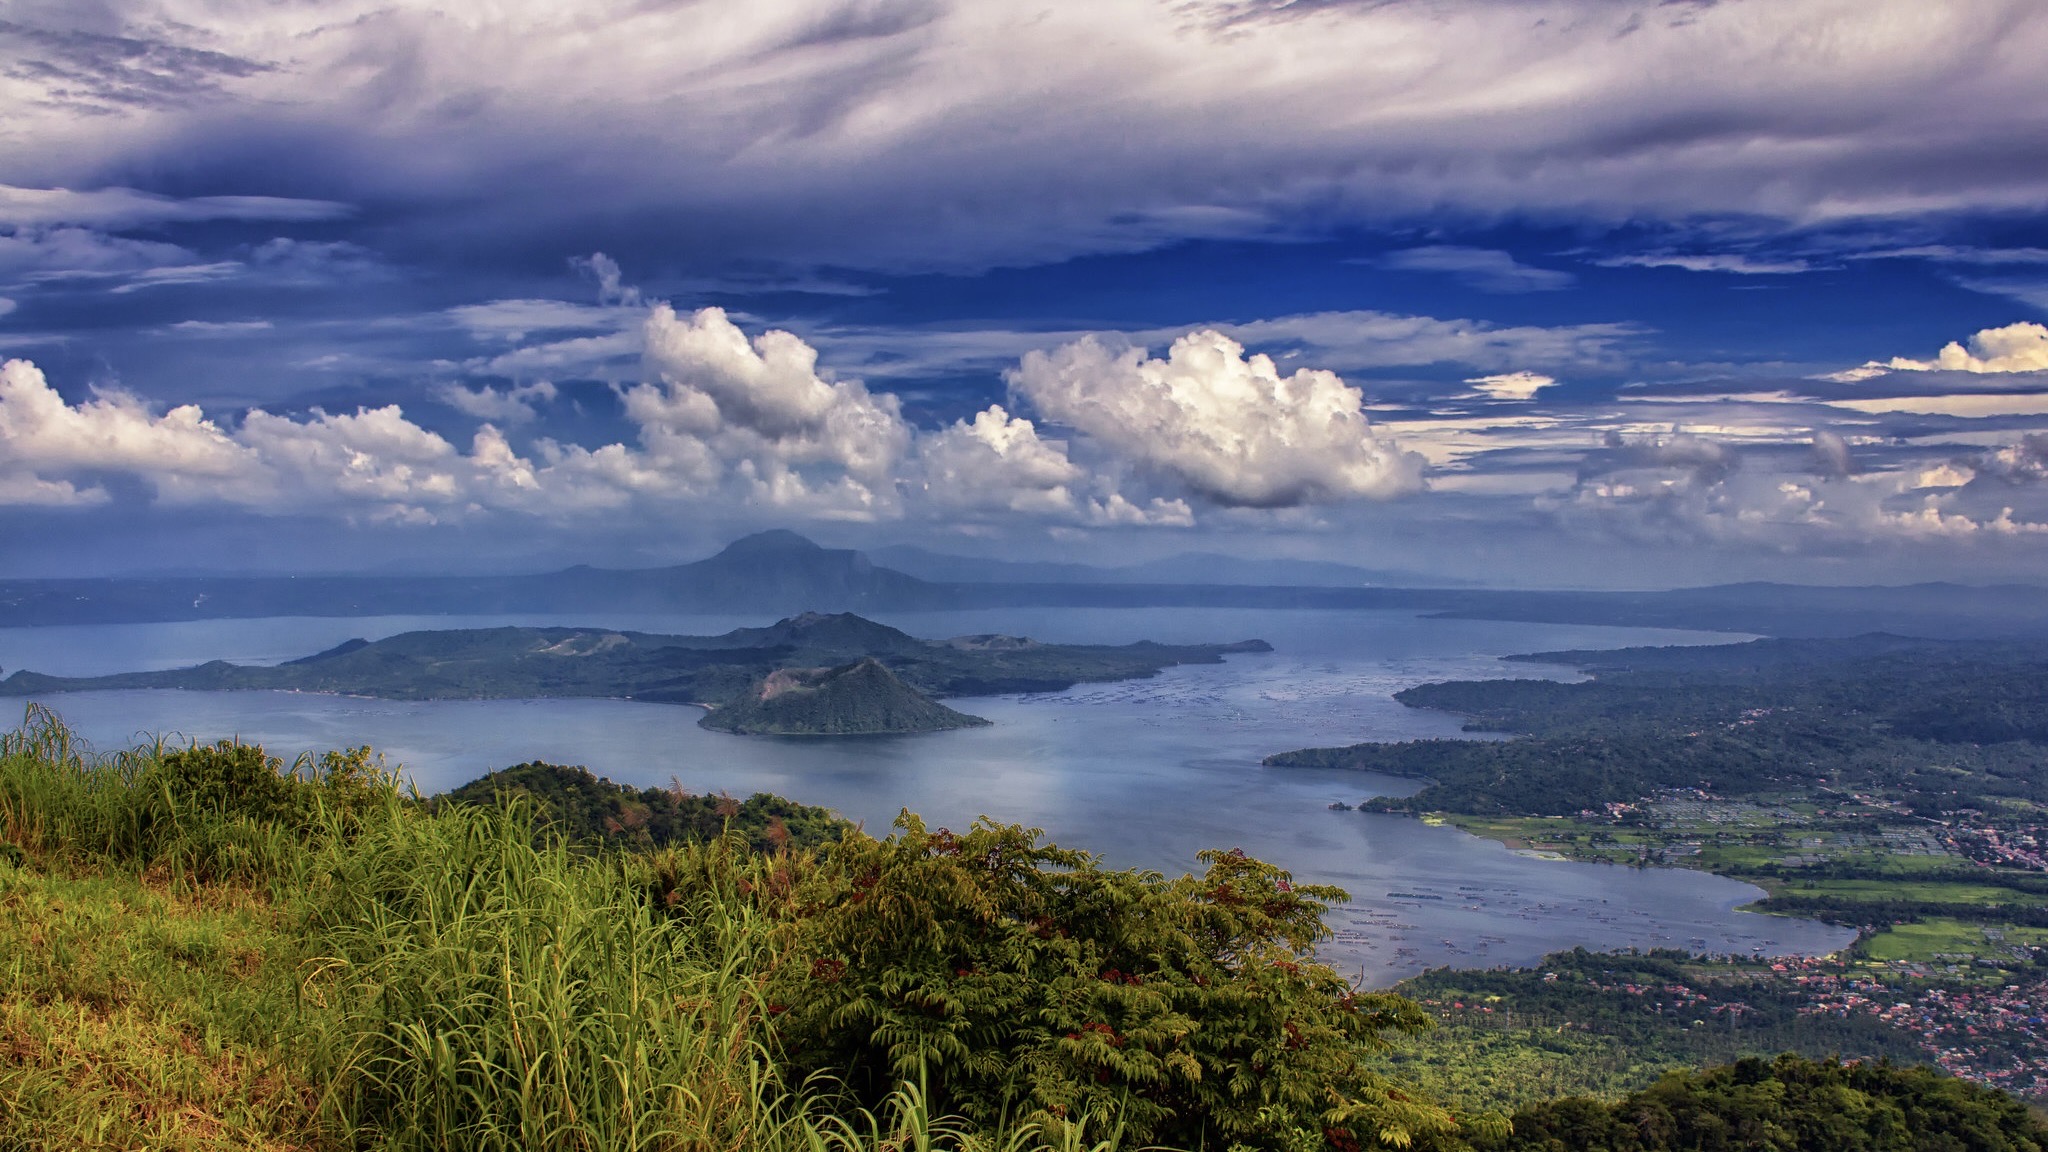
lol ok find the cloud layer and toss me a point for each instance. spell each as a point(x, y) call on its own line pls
point(896, 134)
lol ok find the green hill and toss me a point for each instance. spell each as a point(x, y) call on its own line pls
point(586, 807)
point(861, 698)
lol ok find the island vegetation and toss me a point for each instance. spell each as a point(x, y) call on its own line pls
point(209, 950)
point(841, 674)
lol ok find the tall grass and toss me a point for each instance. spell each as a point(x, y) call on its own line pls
point(496, 995)
point(455, 979)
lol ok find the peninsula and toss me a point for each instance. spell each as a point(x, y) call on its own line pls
point(811, 674)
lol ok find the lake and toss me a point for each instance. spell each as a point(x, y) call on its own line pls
point(1145, 773)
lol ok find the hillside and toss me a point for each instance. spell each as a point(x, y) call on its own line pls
point(858, 699)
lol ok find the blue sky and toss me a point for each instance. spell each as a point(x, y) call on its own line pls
point(1560, 292)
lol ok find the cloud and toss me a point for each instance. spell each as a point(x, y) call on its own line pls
point(179, 274)
point(1857, 375)
point(911, 145)
point(1945, 475)
point(1342, 341)
point(1511, 385)
point(997, 462)
point(2031, 291)
point(512, 321)
point(1962, 405)
point(718, 417)
point(1486, 269)
point(1733, 263)
point(514, 405)
point(1228, 427)
point(218, 327)
point(2021, 347)
point(797, 438)
point(6, 305)
point(51, 255)
point(48, 442)
point(1705, 459)
point(1831, 455)
point(1688, 489)
point(1957, 254)
point(2025, 462)
point(611, 285)
point(122, 209)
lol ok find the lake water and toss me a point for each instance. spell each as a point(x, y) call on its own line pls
point(1145, 773)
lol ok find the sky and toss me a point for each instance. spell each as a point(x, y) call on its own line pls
point(1533, 292)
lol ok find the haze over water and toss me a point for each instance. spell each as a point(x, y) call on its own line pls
point(1145, 773)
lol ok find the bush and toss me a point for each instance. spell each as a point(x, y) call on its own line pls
point(1026, 981)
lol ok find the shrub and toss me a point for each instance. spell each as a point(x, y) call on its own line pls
point(1027, 981)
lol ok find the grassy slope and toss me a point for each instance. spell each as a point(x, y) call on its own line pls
point(377, 976)
point(132, 1015)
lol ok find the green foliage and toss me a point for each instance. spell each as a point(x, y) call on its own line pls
point(1027, 980)
point(586, 808)
point(1787, 1105)
point(224, 810)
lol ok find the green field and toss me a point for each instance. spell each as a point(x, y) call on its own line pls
point(1938, 941)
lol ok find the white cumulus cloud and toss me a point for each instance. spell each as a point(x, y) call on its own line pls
point(998, 462)
point(713, 396)
point(2021, 347)
point(1229, 427)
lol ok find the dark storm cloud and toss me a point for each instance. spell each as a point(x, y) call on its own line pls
point(933, 134)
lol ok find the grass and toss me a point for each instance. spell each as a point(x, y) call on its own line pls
point(1938, 940)
point(1957, 892)
point(196, 955)
point(131, 1016)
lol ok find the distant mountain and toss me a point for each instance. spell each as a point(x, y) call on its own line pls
point(781, 573)
point(858, 699)
point(1187, 568)
point(772, 573)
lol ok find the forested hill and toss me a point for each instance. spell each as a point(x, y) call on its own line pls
point(1936, 724)
point(586, 808)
